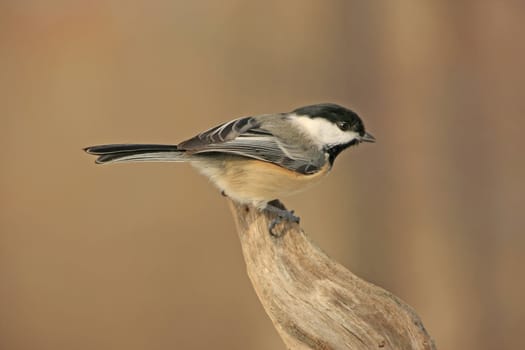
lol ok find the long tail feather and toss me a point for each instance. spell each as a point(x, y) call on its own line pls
point(136, 153)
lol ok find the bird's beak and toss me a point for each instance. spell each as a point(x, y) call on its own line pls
point(367, 138)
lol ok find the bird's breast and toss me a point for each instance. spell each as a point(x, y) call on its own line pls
point(256, 182)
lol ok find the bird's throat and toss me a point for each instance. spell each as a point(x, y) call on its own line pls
point(333, 151)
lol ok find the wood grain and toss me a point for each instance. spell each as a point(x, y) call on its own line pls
point(313, 301)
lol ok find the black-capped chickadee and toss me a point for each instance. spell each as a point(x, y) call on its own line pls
point(254, 160)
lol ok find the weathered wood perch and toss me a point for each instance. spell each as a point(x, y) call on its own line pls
point(316, 303)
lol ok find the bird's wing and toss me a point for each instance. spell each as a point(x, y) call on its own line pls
point(219, 134)
point(245, 137)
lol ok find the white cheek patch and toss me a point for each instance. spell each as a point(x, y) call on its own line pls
point(322, 131)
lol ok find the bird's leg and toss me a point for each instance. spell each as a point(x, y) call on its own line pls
point(278, 208)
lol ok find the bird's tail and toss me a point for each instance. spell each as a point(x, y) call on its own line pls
point(136, 153)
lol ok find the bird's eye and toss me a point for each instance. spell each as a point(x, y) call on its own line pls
point(344, 126)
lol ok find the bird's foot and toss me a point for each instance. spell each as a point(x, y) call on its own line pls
point(282, 214)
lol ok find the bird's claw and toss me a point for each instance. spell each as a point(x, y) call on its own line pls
point(282, 215)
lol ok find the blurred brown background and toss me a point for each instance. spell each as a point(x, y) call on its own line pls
point(145, 256)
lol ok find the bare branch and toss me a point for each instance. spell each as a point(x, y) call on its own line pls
point(316, 303)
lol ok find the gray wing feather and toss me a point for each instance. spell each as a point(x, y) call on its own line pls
point(245, 137)
point(268, 149)
point(219, 134)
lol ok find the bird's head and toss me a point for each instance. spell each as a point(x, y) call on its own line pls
point(331, 127)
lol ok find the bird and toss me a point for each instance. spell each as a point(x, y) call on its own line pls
point(255, 160)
